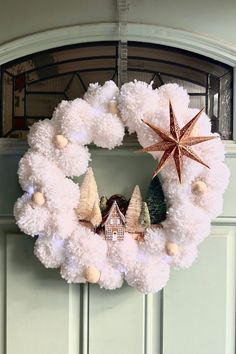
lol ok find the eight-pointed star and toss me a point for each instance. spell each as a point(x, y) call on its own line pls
point(176, 143)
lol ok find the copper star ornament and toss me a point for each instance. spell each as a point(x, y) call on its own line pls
point(176, 143)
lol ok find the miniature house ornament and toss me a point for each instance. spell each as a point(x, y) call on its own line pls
point(114, 224)
point(108, 240)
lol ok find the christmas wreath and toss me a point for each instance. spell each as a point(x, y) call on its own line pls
point(108, 240)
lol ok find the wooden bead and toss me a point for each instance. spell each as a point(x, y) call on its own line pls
point(112, 107)
point(60, 141)
point(92, 274)
point(38, 198)
point(199, 187)
point(172, 249)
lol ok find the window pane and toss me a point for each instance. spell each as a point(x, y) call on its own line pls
point(34, 85)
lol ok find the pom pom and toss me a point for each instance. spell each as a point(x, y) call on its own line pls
point(88, 247)
point(186, 223)
point(110, 278)
point(72, 271)
point(35, 170)
point(41, 135)
point(179, 100)
point(50, 251)
point(123, 254)
point(100, 96)
point(73, 160)
point(137, 101)
point(75, 120)
point(109, 131)
point(155, 240)
point(70, 158)
point(63, 223)
point(149, 276)
point(31, 220)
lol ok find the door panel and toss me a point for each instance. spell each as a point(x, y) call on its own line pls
point(37, 302)
point(199, 303)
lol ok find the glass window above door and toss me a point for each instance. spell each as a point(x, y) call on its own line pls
point(31, 87)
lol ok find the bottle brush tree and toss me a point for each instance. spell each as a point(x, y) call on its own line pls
point(134, 210)
point(88, 196)
point(96, 216)
point(156, 201)
point(144, 217)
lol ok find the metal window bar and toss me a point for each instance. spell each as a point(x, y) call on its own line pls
point(123, 9)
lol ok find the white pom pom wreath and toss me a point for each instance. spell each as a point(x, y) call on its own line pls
point(57, 151)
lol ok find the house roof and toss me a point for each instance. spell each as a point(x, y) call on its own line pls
point(108, 215)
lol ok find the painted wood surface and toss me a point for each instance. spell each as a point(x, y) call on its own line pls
point(41, 314)
point(208, 18)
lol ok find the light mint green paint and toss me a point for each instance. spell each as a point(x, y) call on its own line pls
point(210, 18)
point(214, 48)
point(199, 302)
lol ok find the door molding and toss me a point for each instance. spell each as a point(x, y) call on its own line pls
point(18, 147)
point(194, 42)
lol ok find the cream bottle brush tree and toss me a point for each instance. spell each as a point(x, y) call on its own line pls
point(96, 215)
point(133, 211)
point(144, 217)
point(89, 198)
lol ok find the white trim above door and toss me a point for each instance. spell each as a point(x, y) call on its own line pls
point(197, 43)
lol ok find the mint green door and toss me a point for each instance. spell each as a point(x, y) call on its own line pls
point(41, 314)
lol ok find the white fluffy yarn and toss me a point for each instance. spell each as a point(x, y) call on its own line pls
point(111, 278)
point(45, 168)
point(75, 120)
point(98, 96)
point(32, 220)
point(89, 248)
point(137, 101)
point(149, 276)
point(123, 255)
point(50, 251)
point(109, 131)
point(72, 160)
